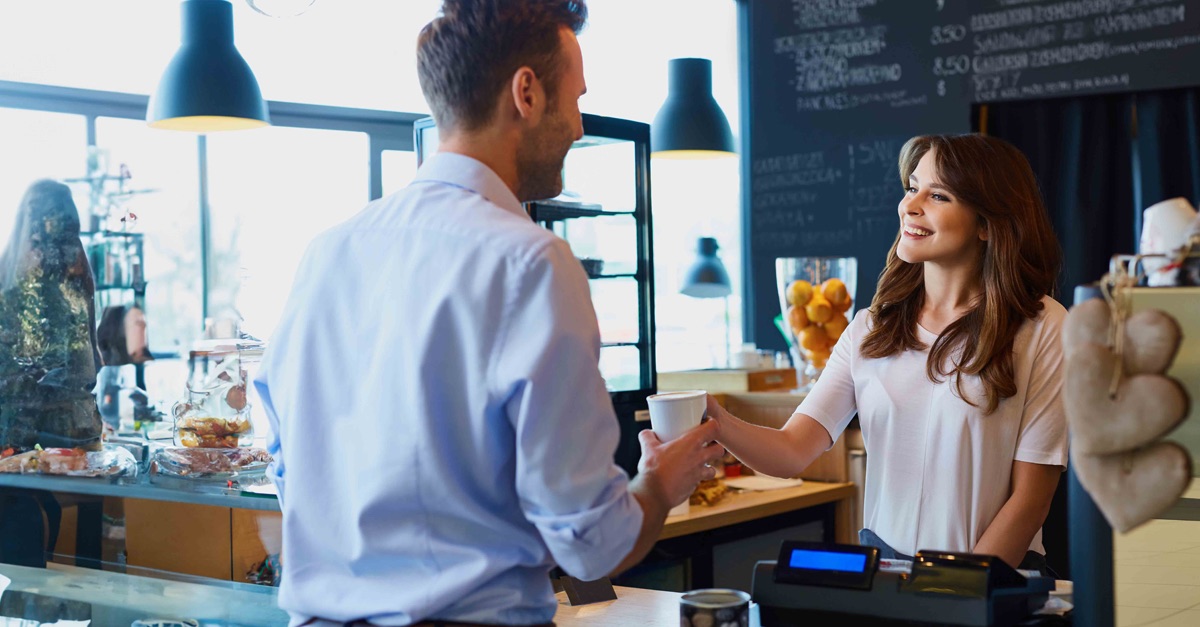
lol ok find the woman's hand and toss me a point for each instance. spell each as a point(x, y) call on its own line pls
point(782, 452)
point(717, 414)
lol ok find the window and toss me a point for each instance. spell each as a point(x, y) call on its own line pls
point(271, 191)
point(627, 44)
point(694, 199)
point(37, 145)
point(399, 168)
point(691, 199)
point(285, 182)
point(165, 167)
point(88, 43)
point(125, 45)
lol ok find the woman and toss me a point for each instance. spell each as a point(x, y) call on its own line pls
point(121, 336)
point(954, 371)
point(121, 340)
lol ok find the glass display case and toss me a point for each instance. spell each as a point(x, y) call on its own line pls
point(604, 214)
point(116, 258)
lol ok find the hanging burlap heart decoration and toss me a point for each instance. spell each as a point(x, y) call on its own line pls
point(1134, 487)
point(1118, 404)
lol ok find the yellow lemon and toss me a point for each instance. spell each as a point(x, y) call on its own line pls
point(814, 338)
point(799, 293)
point(818, 309)
point(834, 291)
point(797, 319)
point(836, 325)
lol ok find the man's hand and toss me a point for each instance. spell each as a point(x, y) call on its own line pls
point(667, 475)
point(674, 469)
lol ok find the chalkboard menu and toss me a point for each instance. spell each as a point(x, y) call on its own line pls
point(835, 87)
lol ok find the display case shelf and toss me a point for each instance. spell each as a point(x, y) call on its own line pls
point(140, 487)
point(555, 210)
point(601, 277)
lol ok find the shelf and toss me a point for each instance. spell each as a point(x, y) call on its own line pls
point(631, 275)
point(554, 210)
point(596, 140)
point(197, 493)
point(619, 344)
point(127, 234)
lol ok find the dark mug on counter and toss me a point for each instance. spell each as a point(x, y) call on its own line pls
point(714, 607)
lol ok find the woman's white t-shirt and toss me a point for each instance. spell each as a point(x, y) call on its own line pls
point(938, 469)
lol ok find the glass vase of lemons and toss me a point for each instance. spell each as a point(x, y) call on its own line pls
point(816, 296)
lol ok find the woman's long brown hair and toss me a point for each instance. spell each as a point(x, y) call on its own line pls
point(1021, 260)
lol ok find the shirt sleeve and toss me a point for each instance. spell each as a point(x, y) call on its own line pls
point(275, 470)
point(561, 414)
point(1043, 436)
point(832, 402)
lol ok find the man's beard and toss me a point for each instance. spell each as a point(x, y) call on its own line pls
point(540, 160)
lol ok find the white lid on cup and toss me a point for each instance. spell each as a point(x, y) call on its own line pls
point(681, 395)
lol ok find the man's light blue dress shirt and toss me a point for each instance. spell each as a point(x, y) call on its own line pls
point(442, 435)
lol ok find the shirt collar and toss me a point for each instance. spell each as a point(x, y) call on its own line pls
point(471, 174)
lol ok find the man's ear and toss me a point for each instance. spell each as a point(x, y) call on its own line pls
point(528, 94)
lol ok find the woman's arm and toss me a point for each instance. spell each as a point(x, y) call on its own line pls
point(777, 452)
point(1018, 521)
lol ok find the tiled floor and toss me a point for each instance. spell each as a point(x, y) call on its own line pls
point(1158, 574)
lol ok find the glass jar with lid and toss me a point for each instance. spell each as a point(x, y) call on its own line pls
point(215, 412)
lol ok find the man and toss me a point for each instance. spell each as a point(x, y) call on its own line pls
point(441, 433)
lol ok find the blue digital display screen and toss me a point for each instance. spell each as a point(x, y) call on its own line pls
point(828, 560)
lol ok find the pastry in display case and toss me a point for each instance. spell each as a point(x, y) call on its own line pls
point(603, 212)
point(213, 433)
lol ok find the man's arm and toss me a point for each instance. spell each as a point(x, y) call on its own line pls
point(588, 513)
point(667, 475)
point(274, 444)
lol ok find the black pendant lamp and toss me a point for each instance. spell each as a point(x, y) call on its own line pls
point(690, 124)
point(707, 278)
point(207, 86)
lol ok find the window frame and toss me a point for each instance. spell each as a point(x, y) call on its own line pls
point(386, 130)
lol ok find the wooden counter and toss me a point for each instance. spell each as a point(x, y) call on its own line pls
point(634, 606)
point(740, 507)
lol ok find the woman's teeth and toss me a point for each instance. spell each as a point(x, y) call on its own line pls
point(912, 230)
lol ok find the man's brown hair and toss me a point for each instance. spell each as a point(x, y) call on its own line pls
point(1020, 263)
point(467, 55)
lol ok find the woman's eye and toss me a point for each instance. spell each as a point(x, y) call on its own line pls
point(941, 198)
point(910, 190)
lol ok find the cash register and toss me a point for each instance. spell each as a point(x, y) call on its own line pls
point(830, 583)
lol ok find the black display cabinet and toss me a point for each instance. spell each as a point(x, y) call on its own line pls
point(604, 214)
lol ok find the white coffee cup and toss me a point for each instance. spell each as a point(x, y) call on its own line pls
point(674, 413)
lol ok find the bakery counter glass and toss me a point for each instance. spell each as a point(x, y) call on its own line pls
point(77, 596)
point(221, 493)
point(205, 519)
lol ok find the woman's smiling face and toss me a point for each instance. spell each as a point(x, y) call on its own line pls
point(934, 225)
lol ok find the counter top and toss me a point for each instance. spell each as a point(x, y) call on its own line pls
point(739, 507)
point(634, 606)
point(107, 598)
